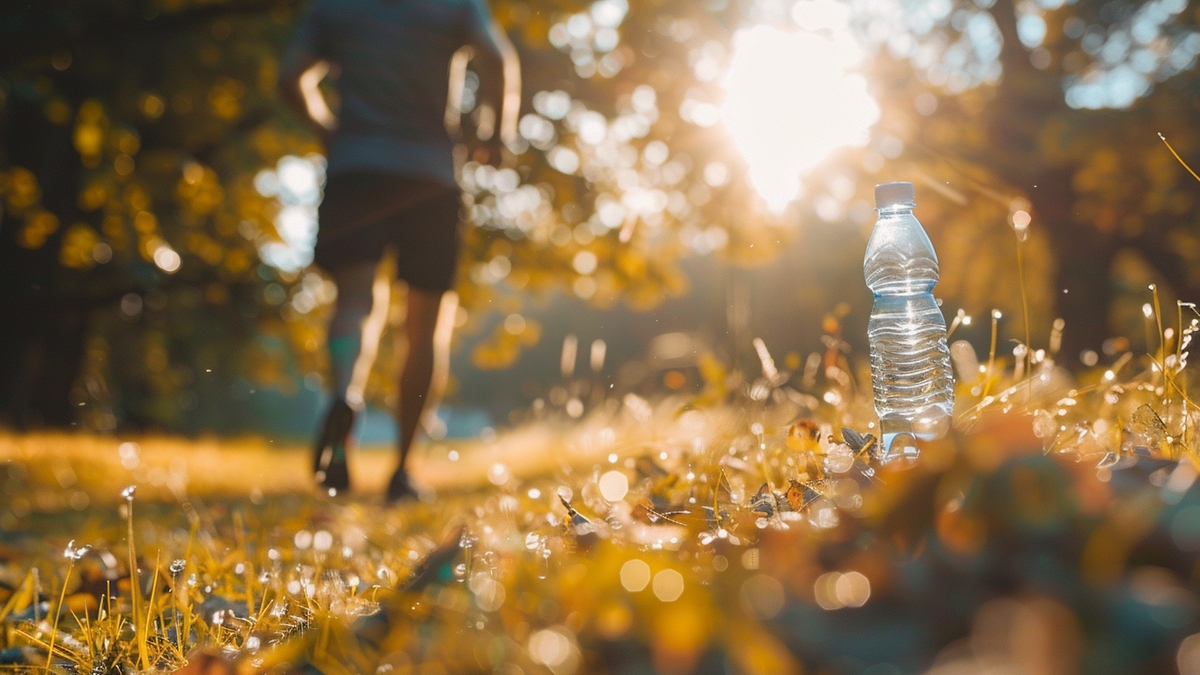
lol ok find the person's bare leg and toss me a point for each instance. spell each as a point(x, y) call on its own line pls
point(350, 311)
point(351, 341)
point(443, 333)
point(419, 327)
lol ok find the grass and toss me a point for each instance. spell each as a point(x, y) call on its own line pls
point(685, 534)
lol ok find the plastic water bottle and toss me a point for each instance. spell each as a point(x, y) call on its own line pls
point(910, 364)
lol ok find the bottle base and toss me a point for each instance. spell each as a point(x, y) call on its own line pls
point(899, 448)
point(899, 435)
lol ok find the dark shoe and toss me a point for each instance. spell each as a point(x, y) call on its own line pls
point(437, 565)
point(329, 454)
point(400, 488)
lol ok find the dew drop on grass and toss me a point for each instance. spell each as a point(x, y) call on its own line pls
point(498, 474)
point(839, 459)
point(822, 513)
point(322, 541)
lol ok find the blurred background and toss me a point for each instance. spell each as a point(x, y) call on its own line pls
point(691, 175)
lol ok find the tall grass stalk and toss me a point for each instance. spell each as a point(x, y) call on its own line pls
point(987, 378)
point(135, 586)
point(62, 598)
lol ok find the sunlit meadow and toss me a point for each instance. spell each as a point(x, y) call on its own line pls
point(742, 522)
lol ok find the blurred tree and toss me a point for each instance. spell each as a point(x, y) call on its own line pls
point(128, 259)
point(1061, 138)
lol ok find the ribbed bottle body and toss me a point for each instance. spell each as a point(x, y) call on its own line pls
point(910, 366)
point(910, 362)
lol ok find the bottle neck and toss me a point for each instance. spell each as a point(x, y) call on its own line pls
point(892, 210)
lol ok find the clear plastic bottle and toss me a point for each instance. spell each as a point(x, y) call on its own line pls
point(910, 363)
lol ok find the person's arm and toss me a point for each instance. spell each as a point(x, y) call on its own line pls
point(301, 93)
point(501, 87)
point(495, 62)
point(300, 73)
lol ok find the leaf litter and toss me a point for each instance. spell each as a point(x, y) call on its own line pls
point(769, 508)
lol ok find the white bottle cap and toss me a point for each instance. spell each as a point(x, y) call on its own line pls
point(891, 194)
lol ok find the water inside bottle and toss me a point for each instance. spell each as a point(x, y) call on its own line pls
point(910, 363)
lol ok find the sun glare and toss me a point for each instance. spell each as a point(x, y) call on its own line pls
point(791, 99)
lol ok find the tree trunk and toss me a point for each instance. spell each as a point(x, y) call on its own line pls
point(1084, 257)
point(42, 340)
point(1083, 253)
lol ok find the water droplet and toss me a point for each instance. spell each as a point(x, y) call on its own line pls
point(839, 459)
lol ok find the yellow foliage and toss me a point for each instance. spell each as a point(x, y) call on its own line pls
point(757, 652)
point(503, 347)
point(38, 226)
point(495, 353)
point(145, 222)
point(91, 125)
point(237, 261)
point(268, 142)
point(113, 227)
point(631, 263)
point(713, 372)
point(245, 204)
point(1099, 172)
point(225, 98)
point(268, 75)
point(680, 630)
point(93, 196)
point(205, 247)
point(147, 245)
point(136, 198)
point(20, 188)
point(127, 142)
point(152, 106)
point(199, 189)
point(536, 31)
point(225, 224)
point(57, 111)
point(78, 245)
point(216, 294)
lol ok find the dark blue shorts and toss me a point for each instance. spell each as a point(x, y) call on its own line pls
point(363, 213)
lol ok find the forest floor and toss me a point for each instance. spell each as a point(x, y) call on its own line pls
point(762, 534)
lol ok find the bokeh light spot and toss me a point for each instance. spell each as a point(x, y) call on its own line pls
point(762, 597)
point(835, 590)
point(585, 262)
point(549, 647)
point(614, 486)
point(1188, 656)
point(166, 258)
point(668, 585)
point(635, 575)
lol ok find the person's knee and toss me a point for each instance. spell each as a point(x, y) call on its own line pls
point(354, 298)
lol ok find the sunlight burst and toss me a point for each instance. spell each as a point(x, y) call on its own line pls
point(791, 100)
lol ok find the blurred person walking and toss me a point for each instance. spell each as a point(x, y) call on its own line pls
point(391, 192)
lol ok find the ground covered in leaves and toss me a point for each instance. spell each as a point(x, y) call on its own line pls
point(752, 528)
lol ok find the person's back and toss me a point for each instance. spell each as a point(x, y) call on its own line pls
point(393, 60)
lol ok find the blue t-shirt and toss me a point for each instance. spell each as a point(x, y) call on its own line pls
point(394, 57)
